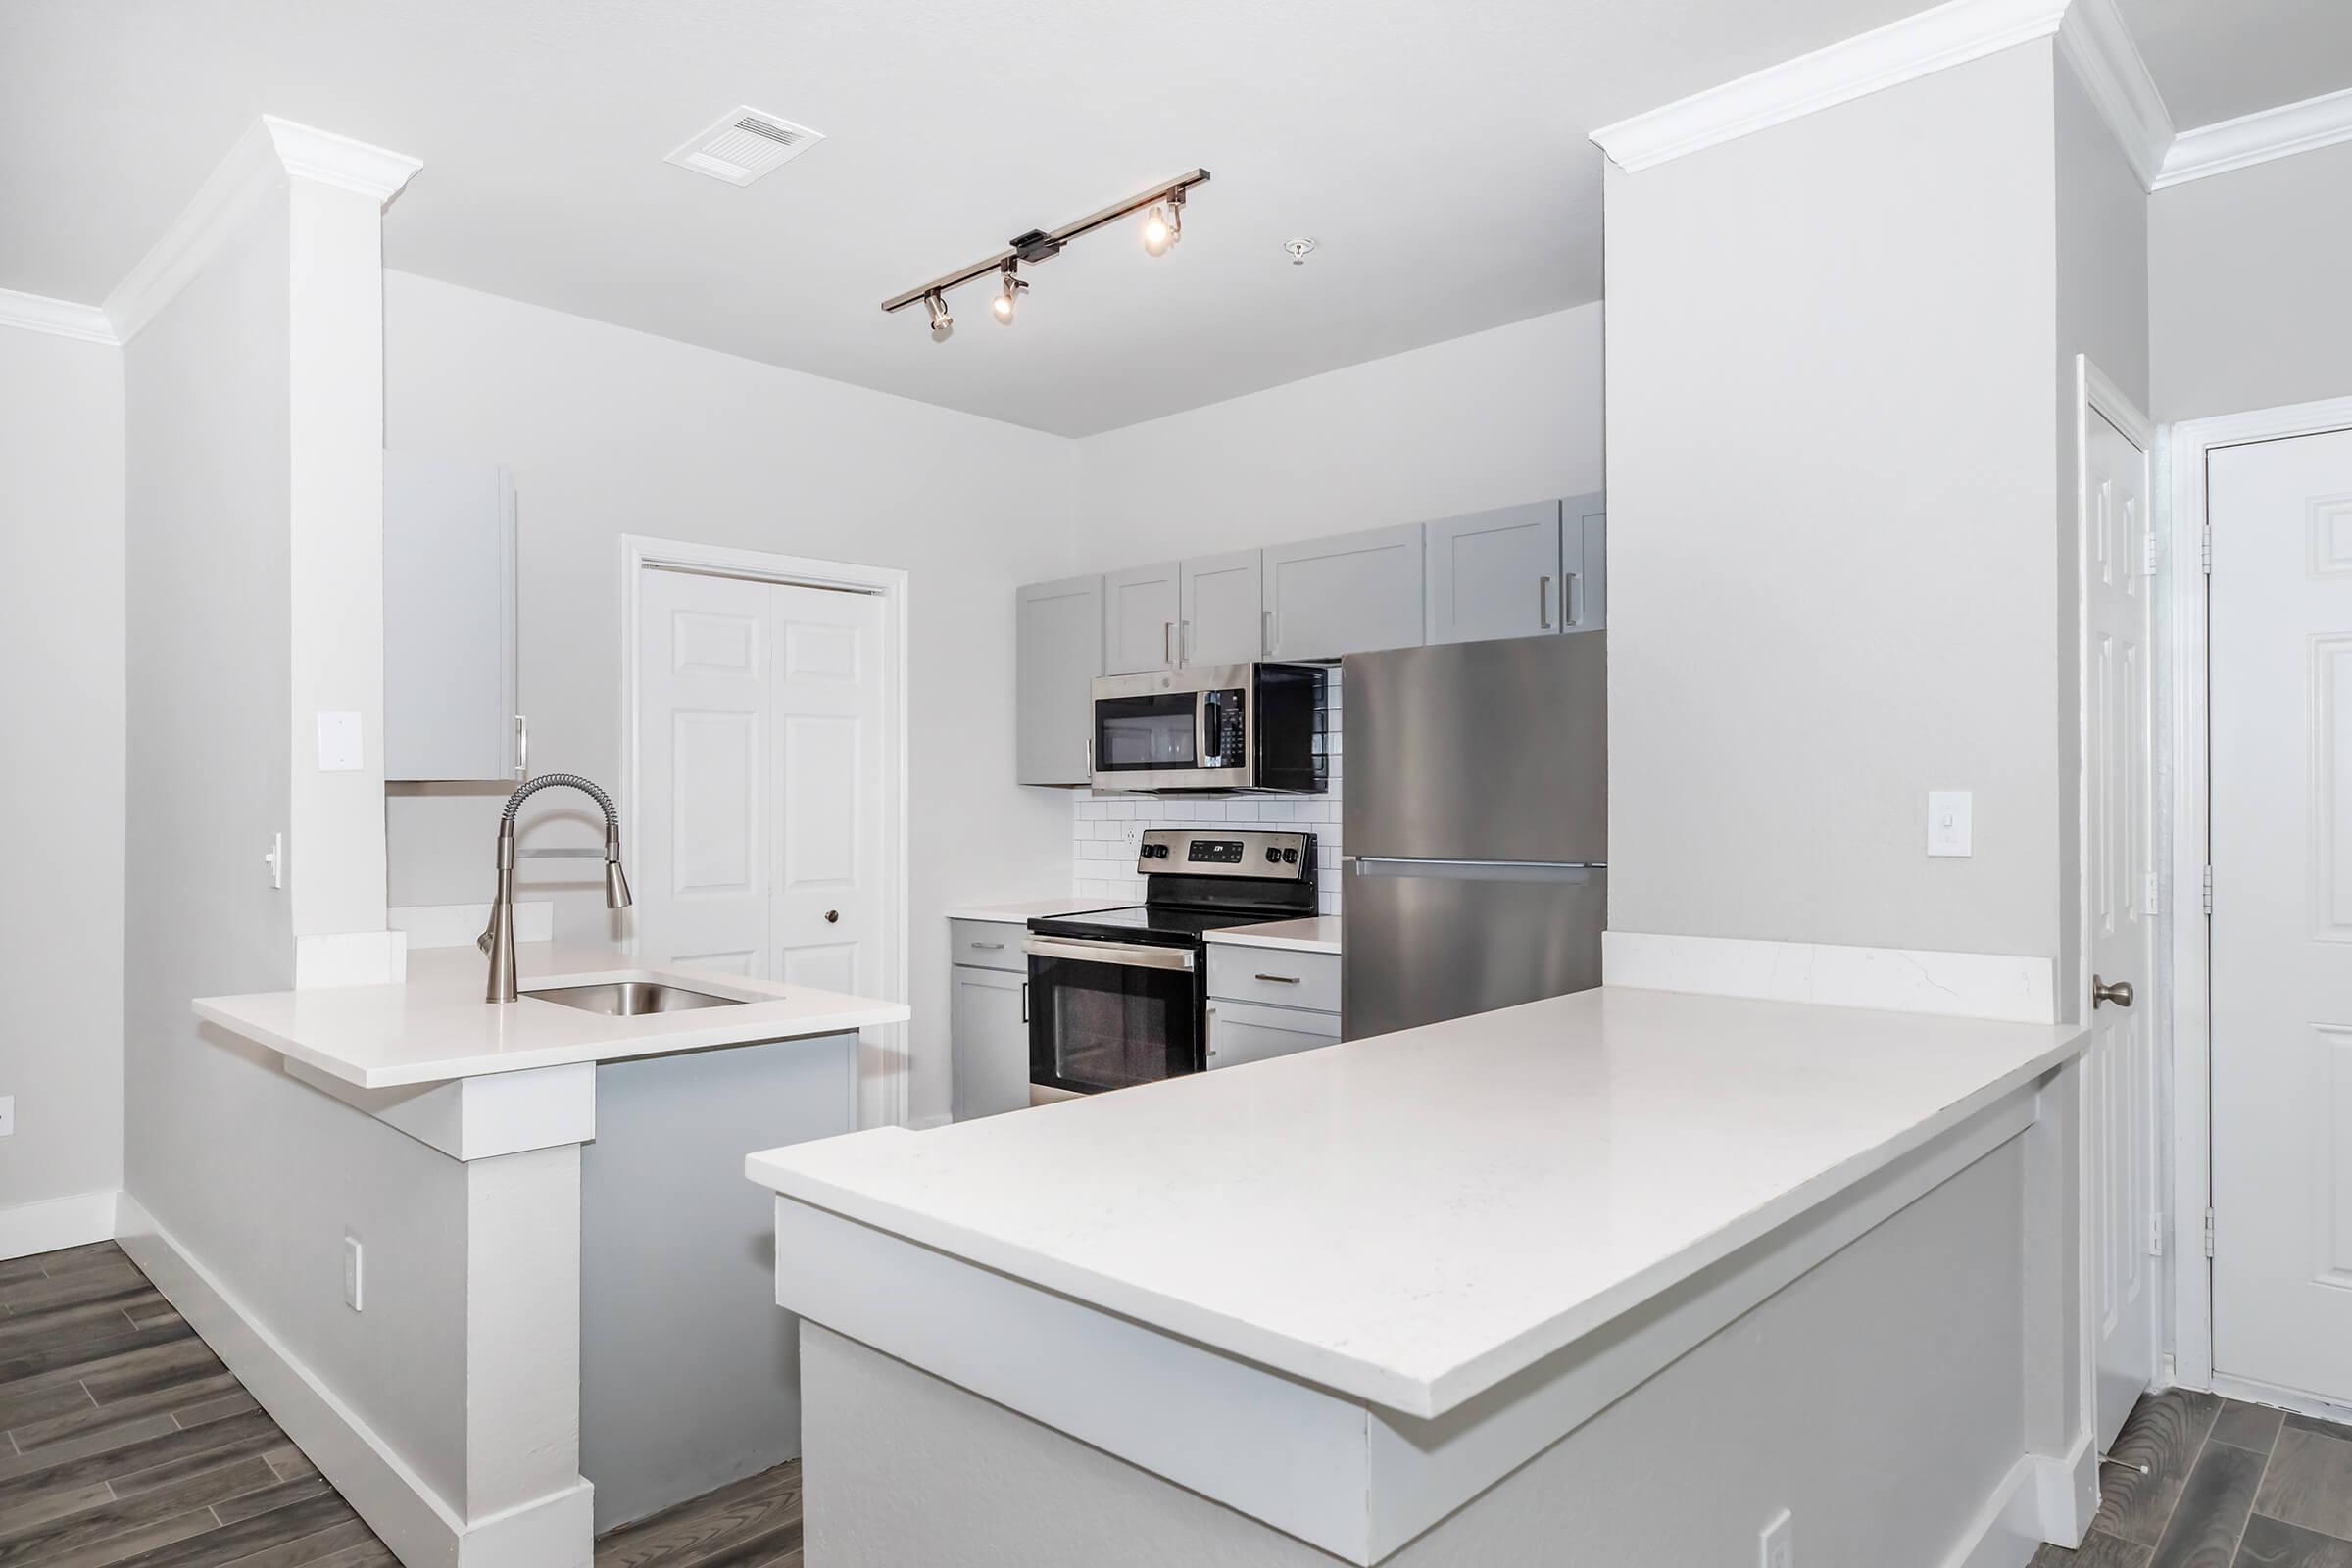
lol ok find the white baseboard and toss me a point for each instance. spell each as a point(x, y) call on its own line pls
point(2040, 1500)
point(1964, 985)
point(412, 1518)
point(56, 1222)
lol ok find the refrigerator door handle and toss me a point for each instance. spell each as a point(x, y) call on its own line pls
point(1478, 871)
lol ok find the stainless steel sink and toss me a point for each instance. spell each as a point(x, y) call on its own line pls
point(632, 998)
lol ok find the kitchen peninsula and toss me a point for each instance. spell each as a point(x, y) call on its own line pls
point(563, 1244)
point(1478, 1292)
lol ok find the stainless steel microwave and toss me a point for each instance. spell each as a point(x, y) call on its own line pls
point(1228, 727)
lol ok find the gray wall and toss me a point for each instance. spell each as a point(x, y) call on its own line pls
point(2247, 274)
point(61, 711)
point(1832, 460)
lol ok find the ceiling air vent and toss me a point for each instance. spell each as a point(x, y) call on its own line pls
point(744, 145)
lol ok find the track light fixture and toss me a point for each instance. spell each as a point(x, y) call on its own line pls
point(1163, 226)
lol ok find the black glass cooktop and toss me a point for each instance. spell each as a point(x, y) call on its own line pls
point(1167, 922)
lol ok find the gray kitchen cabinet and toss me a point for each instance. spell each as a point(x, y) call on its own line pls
point(449, 621)
point(1495, 573)
point(988, 1027)
point(1348, 594)
point(1057, 654)
point(1141, 609)
point(1242, 1032)
point(1584, 536)
point(1222, 608)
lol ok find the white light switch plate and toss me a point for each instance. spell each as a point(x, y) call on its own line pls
point(339, 743)
point(352, 1280)
point(1951, 822)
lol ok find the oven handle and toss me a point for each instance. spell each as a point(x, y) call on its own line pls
point(1126, 955)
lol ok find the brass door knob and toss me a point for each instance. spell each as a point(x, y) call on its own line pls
point(832, 916)
point(2117, 991)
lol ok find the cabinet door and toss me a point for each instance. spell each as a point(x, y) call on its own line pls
point(1584, 532)
point(1346, 595)
point(1495, 573)
point(1057, 654)
point(1141, 608)
point(988, 1022)
point(449, 620)
point(1224, 615)
point(1241, 1031)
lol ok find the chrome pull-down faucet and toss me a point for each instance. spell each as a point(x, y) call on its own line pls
point(499, 940)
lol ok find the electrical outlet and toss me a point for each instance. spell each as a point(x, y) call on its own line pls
point(352, 1278)
point(7, 1115)
point(1776, 1549)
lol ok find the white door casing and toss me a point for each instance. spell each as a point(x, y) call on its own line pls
point(2280, 824)
point(2118, 1104)
point(765, 796)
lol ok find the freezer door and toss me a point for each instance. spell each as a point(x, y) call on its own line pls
point(1422, 941)
point(1483, 750)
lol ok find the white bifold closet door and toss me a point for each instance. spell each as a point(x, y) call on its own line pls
point(760, 765)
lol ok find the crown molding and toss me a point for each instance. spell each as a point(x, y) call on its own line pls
point(2096, 41)
point(1948, 35)
point(271, 151)
point(2257, 139)
point(36, 312)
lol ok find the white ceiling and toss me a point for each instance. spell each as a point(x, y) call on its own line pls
point(2215, 60)
point(1437, 150)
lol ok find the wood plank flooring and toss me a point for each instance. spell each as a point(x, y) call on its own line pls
point(125, 1443)
point(2228, 1486)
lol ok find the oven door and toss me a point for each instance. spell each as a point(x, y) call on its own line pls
point(1169, 731)
point(1111, 1015)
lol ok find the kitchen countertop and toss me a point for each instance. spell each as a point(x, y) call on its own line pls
point(1022, 910)
point(436, 1026)
point(1312, 935)
point(1410, 1219)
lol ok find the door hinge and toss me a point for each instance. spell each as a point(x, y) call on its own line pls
point(2209, 1233)
point(2156, 1234)
point(2154, 891)
point(2147, 555)
point(2209, 890)
point(2205, 548)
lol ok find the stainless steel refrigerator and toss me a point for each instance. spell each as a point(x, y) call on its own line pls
point(1475, 827)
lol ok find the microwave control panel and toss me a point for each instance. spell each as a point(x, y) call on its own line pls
point(1228, 741)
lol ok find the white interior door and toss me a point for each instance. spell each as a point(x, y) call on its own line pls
point(2281, 930)
point(761, 770)
point(2119, 1065)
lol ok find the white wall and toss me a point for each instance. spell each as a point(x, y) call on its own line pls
point(1500, 416)
point(61, 711)
point(609, 432)
point(1832, 460)
point(2247, 273)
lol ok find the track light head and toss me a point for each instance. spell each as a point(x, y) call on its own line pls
point(1010, 296)
point(1163, 226)
point(942, 323)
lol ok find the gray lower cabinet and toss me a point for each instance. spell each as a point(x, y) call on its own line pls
point(988, 1022)
point(1270, 1001)
point(1224, 611)
point(1057, 654)
point(1141, 609)
point(1518, 571)
point(1350, 594)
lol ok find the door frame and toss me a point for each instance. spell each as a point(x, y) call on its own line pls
point(2096, 396)
point(2187, 1014)
point(882, 1095)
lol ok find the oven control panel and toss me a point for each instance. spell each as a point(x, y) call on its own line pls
point(1205, 851)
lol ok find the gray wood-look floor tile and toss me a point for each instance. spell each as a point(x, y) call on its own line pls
point(2273, 1544)
point(2247, 1426)
point(2310, 1482)
point(752, 1521)
point(2326, 1429)
point(2097, 1551)
point(2212, 1512)
point(2166, 1433)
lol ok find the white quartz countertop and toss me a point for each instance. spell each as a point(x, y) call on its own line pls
point(1023, 910)
point(1412, 1218)
point(1313, 935)
point(436, 1026)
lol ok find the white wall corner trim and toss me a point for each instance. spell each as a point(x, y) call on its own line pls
point(2257, 139)
point(270, 151)
point(37, 313)
point(2094, 39)
point(75, 1220)
point(1948, 35)
point(1961, 985)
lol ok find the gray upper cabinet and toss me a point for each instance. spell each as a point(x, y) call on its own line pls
point(1224, 616)
point(449, 621)
point(1494, 573)
point(1057, 654)
point(1584, 536)
point(1345, 595)
point(1141, 609)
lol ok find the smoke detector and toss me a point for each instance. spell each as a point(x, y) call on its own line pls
point(1300, 249)
point(744, 144)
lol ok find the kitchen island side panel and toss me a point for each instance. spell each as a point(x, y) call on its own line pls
point(689, 1376)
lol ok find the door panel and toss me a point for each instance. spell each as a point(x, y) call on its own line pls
point(2119, 1074)
point(1497, 573)
point(827, 703)
point(1224, 616)
point(2281, 927)
point(1141, 608)
point(1346, 595)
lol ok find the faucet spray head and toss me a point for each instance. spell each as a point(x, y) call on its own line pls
point(617, 887)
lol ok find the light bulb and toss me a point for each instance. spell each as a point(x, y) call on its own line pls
point(1002, 306)
point(1007, 296)
point(1158, 233)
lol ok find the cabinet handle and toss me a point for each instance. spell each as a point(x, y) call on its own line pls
point(988, 946)
point(1208, 1034)
point(1024, 1001)
point(1570, 612)
point(1281, 979)
point(1273, 636)
point(1167, 644)
point(522, 746)
point(1543, 602)
point(1184, 643)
